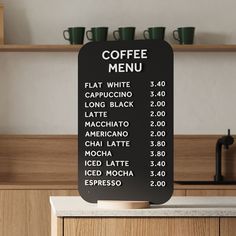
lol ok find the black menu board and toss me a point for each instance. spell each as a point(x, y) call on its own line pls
point(125, 121)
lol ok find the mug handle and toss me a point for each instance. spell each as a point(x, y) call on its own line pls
point(114, 34)
point(145, 33)
point(87, 34)
point(174, 35)
point(64, 35)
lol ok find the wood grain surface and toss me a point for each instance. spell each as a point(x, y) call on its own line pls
point(48, 158)
point(57, 225)
point(27, 212)
point(1, 24)
point(211, 192)
point(228, 226)
point(53, 158)
point(194, 157)
point(141, 227)
point(75, 48)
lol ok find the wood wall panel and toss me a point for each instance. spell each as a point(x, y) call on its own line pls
point(195, 158)
point(179, 192)
point(54, 158)
point(38, 158)
point(212, 192)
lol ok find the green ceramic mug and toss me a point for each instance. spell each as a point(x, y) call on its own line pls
point(75, 35)
point(124, 33)
point(97, 34)
point(154, 33)
point(184, 35)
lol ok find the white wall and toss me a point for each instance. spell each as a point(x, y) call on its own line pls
point(38, 91)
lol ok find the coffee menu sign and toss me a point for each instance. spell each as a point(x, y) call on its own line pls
point(125, 121)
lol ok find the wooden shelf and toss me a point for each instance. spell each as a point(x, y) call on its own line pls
point(76, 48)
point(39, 48)
point(205, 48)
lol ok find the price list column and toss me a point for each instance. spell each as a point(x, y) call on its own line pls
point(158, 134)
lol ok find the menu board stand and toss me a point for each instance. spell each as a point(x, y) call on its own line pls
point(109, 204)
point(125, 123)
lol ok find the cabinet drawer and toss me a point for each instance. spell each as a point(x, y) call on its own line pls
point(141, 226)
point(227, 226)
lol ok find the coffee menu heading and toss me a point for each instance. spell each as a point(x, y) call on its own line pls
point(125, 121)
point(130, 55)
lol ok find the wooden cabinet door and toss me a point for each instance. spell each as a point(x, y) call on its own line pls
point(141, 226)
point(227, 226)
point(212, 192)
point(27, 212)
